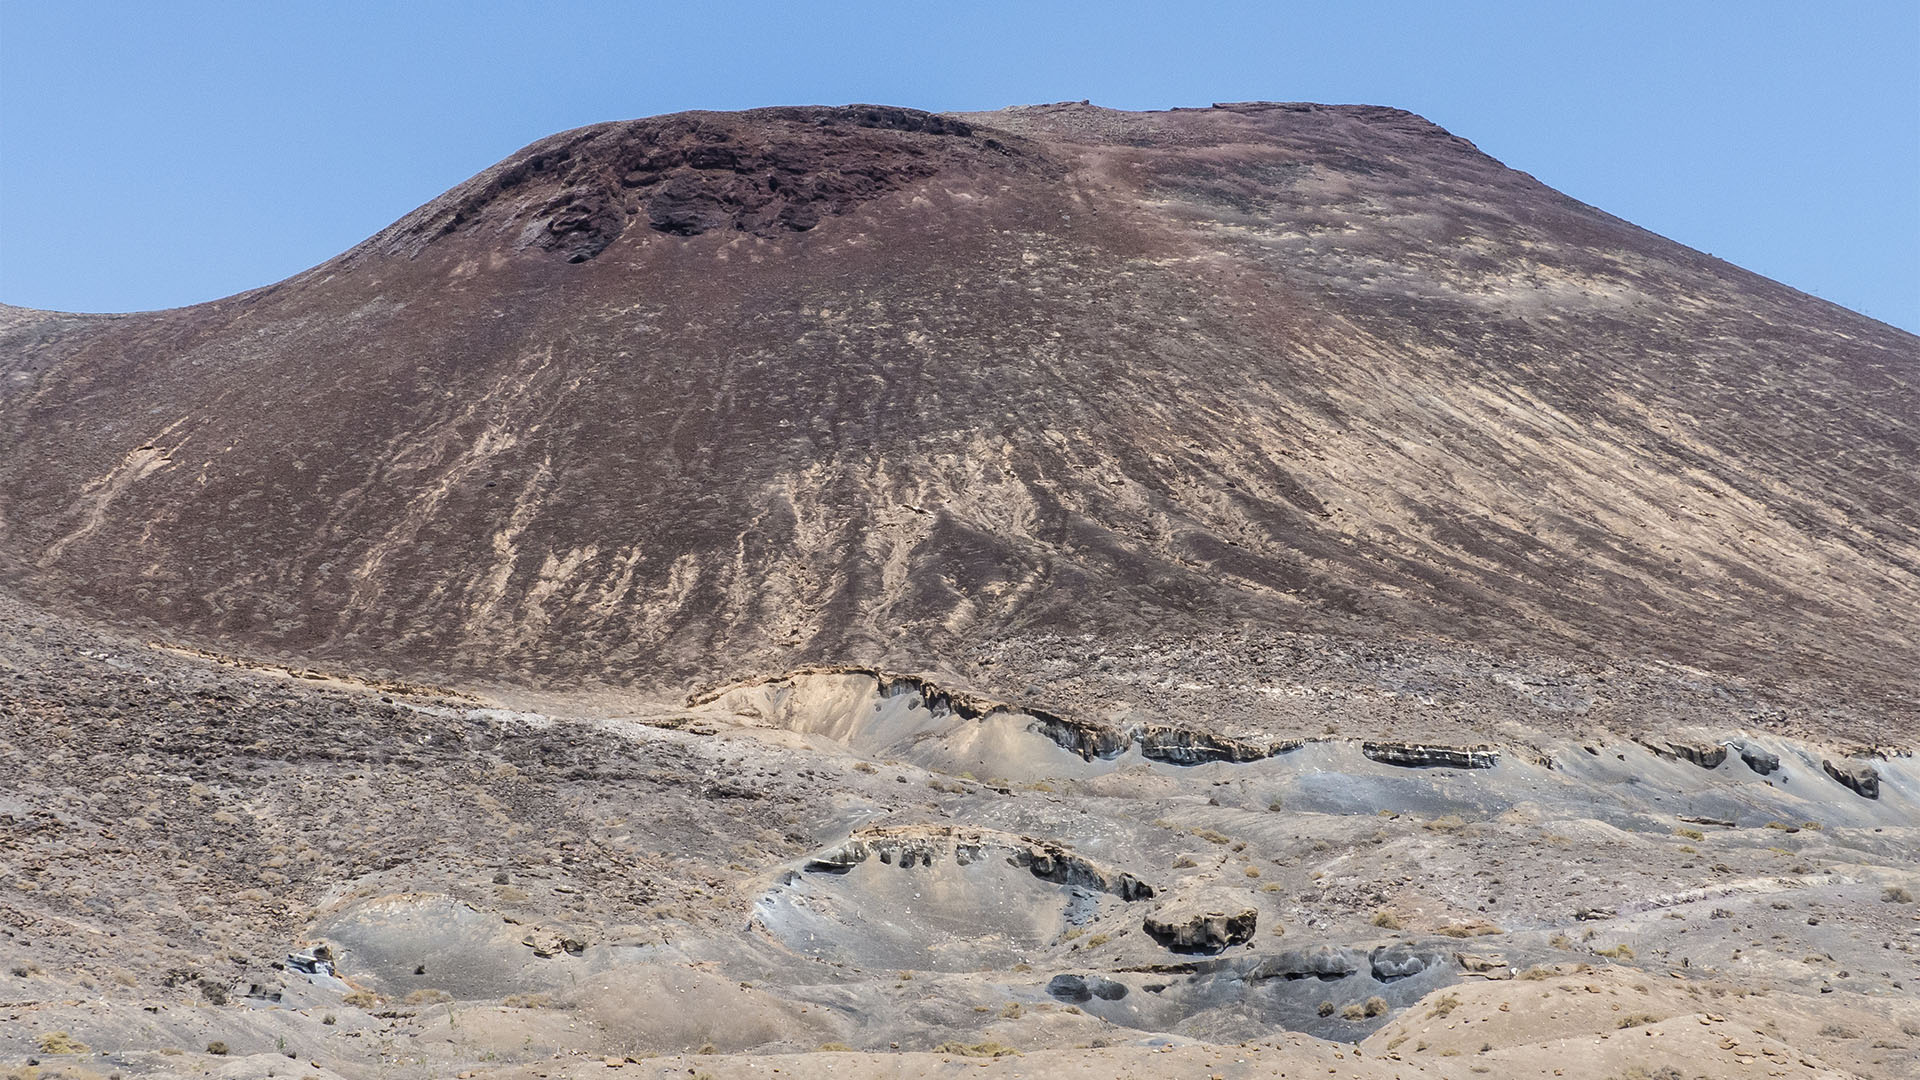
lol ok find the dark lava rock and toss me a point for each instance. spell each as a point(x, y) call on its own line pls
point(1184, 746)
point(1201, 926)
point(1157, 742)
point(924, 845)
point(1327, 963)
point(1396, 963)
point(1082, 988)
point(1863, 778)
point(1707, 755)
point(694, 173)
point(1759, 760)
point(1414, 756)
point(1090, 741)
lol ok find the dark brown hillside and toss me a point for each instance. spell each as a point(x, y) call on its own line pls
point(657, 401)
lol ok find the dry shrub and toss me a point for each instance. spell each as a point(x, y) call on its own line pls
point(988, 1049)
point(59, 1042)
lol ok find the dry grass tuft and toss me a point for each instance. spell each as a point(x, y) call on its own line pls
point(59, 1042)
point(988, 1049)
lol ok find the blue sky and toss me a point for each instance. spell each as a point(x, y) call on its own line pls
point(156, 154)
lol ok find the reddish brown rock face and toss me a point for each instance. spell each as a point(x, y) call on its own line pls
point(706, 394)
point(781, 172)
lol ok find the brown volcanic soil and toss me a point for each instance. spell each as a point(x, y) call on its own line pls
point(676, 399)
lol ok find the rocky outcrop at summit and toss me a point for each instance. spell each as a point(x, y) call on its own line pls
point(574, 194)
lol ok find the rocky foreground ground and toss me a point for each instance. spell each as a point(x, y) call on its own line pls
point(848, 873)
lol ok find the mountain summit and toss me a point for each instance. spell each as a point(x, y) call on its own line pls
point(853, 592)
point(708, 394)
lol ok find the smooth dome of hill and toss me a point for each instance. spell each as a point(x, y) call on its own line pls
point(717, 393)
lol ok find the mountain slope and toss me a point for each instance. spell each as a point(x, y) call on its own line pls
point(691, 396)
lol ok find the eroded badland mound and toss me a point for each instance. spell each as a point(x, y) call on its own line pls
point(1246, 591)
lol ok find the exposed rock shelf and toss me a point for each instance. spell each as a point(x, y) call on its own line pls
point(1204, 924)
point(1157, 742)
point(908, 846)
point(1707, 755)
point(1420, 756)
point(872, 708)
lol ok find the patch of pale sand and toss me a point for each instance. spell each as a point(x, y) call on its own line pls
point(1291, 1056)
point(246, 1067)
point(1571, 1026)
point(1696, 1051)
point(1516, 1012)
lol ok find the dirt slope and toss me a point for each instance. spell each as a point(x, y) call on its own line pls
point(687, 397)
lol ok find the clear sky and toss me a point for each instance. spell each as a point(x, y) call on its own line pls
point(155, 154)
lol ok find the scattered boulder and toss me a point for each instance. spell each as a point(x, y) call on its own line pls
point(1077, 989)
point(546, 942)
point(317, 960)
point(1395, 963)
point(1493, 965)
point(1759, 760)
point(1863, 778)
point(1201, 924)
point(1707, 755)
